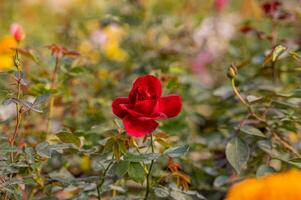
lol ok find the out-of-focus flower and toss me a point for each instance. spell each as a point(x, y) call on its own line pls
point(144, 105)
point(275, 9)
point(271, 7)
point(7, 111)
point(109, 39)
point(278, 186)
point(98, 37)
point(7, 44)
point(214, 33)
point(219, 5)
point(17, 32)
point(199, 67)
point(250, 9)
point(87, 50)
point(85, 163)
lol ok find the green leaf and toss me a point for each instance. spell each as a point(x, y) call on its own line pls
point(29, 152)
point(177, 195)
point(237, 153)
point(43, 150)
point(252, 98)
point(250, 130)
point(264, 170)
point(121, 168)
point(176, 151)
point(6, 148)
point(140, 157)
point(41, 99)
point(136, 172)
point(220, 181)
point(68, 137)
point(161, 192)
point(63, 176)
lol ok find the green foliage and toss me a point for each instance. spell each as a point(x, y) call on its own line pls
point(241, 98)
point(237, 152)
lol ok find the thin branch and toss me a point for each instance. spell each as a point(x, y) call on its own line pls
point(102, 180)
point(52, 86)
point(148, 175)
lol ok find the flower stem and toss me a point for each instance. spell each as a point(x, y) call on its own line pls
point(18, 117)
point(237, 92)
point(102, 180)
point(148, 175)
point(51, 104)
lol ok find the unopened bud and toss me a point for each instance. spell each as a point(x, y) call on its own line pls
point(17, 32)
point(232, 71)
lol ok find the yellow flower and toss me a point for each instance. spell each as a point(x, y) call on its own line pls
point(114, 35)
point(278, 186)
point(114, 52)
point(85, 163)
point(6, 52)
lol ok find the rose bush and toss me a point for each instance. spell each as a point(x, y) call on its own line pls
point(59, 138)
point(144, 105)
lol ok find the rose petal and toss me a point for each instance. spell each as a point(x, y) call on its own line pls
point(170, 105)
point(154, 116)
point(137, 127)
point(146, 87)
point(117, 109)
point(145, 107)
point(129, 109)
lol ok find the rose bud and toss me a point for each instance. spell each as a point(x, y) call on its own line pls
point(17, 32)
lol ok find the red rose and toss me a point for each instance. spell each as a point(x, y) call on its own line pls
point(145, 105)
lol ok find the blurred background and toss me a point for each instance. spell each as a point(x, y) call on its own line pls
point(189, 44)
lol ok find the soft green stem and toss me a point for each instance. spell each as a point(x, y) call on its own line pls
point(102, 180)
point(18, 117)
point(148, 176)
point(52, 86)
point(237, 93)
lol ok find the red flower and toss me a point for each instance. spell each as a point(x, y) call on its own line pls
point(144, 105)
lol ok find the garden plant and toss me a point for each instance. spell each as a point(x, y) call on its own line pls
point(156, 99)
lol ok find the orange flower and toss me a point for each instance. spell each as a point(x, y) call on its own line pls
point(278, 186)
point(7, 43)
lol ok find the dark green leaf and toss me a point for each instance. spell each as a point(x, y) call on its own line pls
point(140, 157)
point(220, 181)
point(136, 172)
point(237, 153)
point(176, 151)
point(121, 168)
point(251, 131)
point(41, 99)
point(43, 150)
point(161, 192)
point(68, 137)
point(264, 170)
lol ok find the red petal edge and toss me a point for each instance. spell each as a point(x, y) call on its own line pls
point(117, 109)
point(170, 105)
point(138, 128)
